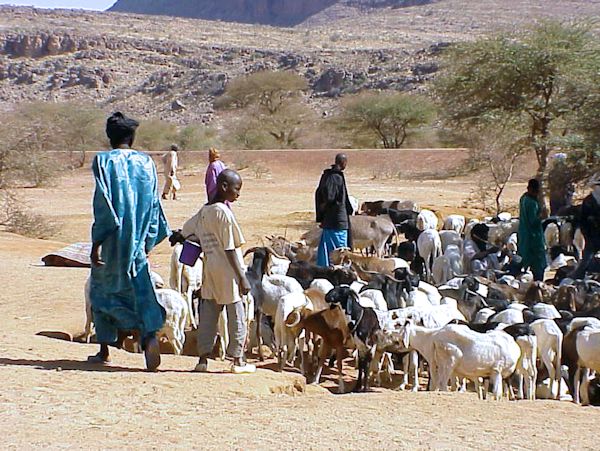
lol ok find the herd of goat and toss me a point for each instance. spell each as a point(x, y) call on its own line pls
point(508, 336)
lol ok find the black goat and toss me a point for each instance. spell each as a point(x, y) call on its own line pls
point(305, 273)
point(363, 325)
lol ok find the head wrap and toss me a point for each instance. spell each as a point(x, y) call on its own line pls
point(174, 147)
point(120, 127)
point(479, 234)
point(213, 154)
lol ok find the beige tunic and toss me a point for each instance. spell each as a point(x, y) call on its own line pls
point(170, 170)
point(217, 230)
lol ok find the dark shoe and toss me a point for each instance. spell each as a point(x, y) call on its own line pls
point(202, 366)
point(164, 197)
point(152, 354)
point(98, 359)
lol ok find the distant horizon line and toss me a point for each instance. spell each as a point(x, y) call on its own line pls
point(84, 8)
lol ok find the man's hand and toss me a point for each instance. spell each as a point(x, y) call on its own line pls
point(244, 286)
point(95, 255)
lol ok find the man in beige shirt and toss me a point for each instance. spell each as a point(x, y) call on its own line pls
point(224, 279)
point(170, 161)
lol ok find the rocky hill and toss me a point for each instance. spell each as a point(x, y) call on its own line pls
point(270, 12)
point(173, 68)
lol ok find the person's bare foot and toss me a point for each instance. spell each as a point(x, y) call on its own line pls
point(152, 353)
point(164, 197)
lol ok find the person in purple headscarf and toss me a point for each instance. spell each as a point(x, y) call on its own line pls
point(215, 167)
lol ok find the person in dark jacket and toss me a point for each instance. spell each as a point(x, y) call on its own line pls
point(333, 210)
point(590, 227)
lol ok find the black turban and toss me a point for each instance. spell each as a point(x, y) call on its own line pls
point(479, 233)
point(120, 127)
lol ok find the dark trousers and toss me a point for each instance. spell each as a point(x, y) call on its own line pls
point(586, 259)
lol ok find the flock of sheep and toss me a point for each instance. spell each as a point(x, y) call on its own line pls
point(526, 339)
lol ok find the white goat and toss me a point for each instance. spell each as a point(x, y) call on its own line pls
point(454, 222)
point(526, 366)
point(427, 220)
point(552, 235)
point(588, 353)
point(447, 266)
point(430, 248)
point(549, 344)
point(375, 300)
point(499, 233)
point(512, 244)
point(449, 237)
point(464, 353)
point(176, 318)
point(546, 311)
point(579, 242)
point(185, 279)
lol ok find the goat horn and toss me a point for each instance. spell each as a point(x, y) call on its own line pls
point(296, 321)
point(252, 249)
point(272, 252)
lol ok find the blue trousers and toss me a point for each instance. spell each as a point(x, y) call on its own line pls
point(330, 239)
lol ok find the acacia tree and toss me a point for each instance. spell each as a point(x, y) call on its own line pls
point(270, 103)
point(496, 155)
point(386, 117)
point(539, 78)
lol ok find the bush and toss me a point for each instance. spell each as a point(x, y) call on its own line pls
point(17, 219)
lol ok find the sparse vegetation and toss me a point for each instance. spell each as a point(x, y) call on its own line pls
point(540, 78)
point(384, 118)
point(270, 113)
point(17, 219)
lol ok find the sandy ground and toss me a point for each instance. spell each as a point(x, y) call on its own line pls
point(51, 398)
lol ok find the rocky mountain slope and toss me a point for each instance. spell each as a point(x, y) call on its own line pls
point(270, 12)
point(173, 68)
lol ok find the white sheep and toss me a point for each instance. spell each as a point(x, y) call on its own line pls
point(512, 243)
point(526, 366)
point(449, 237)
point(588, 353)
point(552, 235)
point(549, 344)
point(546, 311)
point(454, 222)
point(185, 279)
point(430, 248)
point(375, 300)
point(427, 220)
point(500, 232)
point(447, 266)
point(176, 318)
point(509, 316)
point(464, 353)
point(579, 242)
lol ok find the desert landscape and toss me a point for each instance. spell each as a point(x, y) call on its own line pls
point(53, 399)
point(172, 70)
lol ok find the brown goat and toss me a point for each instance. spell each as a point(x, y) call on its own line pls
point(536, 293)
point(332, 327)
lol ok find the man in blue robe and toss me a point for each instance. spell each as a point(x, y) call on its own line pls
point(128, 223)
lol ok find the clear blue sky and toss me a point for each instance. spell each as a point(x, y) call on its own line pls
point(81, 4)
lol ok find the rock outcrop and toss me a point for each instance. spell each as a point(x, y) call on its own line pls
point(271, 12)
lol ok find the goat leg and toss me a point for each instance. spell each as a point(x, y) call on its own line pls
point(258, 319)
point(339, 354)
